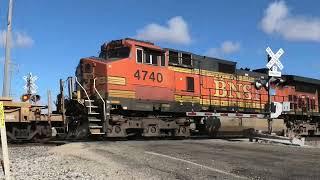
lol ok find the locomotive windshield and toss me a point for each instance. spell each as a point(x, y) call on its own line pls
point(115, 53)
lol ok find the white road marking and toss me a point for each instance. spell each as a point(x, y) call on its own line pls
point(196, 164)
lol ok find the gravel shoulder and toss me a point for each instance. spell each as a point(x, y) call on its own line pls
point(165, 159)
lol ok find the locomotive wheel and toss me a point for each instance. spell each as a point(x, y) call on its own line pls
point(153, 129)
point(117, 129)
point(78, 131)
point(212, 126)
point(182, 131)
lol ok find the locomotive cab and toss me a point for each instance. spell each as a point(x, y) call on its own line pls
point(114, 50)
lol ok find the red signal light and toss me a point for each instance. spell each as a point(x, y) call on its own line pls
point(25, 97)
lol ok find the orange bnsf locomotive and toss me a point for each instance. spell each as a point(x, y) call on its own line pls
point(137, 88)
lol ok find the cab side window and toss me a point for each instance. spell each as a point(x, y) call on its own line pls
point(87, 68)
point(147, 58)
point(139, 55)
point(180, 59)
point(163, 60)
point(154, 59)
point(150, 56)
point(186, 59)
point(190, 84)
point(173, 57)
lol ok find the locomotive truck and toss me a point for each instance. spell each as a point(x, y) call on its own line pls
point(136, 88)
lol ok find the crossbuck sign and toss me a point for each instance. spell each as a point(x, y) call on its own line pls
point(30, 86)
point(274, 63)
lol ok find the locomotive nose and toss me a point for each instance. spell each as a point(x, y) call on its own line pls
point(85, 74)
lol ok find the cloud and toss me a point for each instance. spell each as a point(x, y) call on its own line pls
point(19, 39)
point(278, 19)
point(175, 32)
point(23, 40)
point(2, 38)
point(227, 47)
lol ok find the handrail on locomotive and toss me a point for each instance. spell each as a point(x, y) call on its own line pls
point(84, 90)
point(103, 101)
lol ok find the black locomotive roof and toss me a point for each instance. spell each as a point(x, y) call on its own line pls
point(197, 57)
point(293, 78)
point(206, 58)
point(209, 63)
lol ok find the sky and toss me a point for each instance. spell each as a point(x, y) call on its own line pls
point(50, 37)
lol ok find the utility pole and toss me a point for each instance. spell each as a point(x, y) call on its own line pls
point(5, 93)
point(6, 76)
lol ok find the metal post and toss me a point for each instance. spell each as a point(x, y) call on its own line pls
point(73, 84)
point(49, 107)
point(4, 144)
point(69, 88)
point(269, 107)
point(62, 102)
point(6, 76)
point(200, 81)
point(210, 105)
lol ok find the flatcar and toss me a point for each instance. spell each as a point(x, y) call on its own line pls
point(27, 122)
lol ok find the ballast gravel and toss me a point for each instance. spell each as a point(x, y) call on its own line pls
point(70, 161)
point(37, 162)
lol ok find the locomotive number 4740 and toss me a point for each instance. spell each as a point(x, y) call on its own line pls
point(144, 75)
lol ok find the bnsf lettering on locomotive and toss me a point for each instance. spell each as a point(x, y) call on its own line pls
point(232, 90)
point(220, 87)
point(146, 75)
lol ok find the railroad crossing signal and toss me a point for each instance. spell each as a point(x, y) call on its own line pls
point(30, 86)
point(274, 63)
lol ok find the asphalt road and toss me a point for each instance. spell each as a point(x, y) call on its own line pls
point(202, 159)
